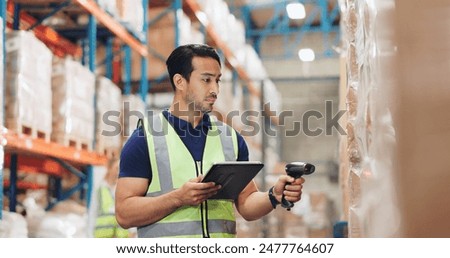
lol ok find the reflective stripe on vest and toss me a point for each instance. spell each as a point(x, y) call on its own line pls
point(173, 165)
point(106, 225)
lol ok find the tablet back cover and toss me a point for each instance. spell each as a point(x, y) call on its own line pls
point(232, 176)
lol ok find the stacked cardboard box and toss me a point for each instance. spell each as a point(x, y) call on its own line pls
point(420, 121)
point(108, 125)
point(357, 87)
point(391, 57)
point(28, 85)
point(73, 88)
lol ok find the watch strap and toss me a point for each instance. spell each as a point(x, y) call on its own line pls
point(272, 198)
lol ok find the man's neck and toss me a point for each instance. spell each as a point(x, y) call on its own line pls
point(191, 116)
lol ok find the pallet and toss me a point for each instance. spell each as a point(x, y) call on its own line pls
point(108, 146)
point(109, 152)
point(74, 142)
point(25, 130)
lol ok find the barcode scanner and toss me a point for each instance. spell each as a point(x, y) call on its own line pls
point(296, 170)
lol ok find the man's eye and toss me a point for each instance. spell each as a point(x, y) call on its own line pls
point(206, 80)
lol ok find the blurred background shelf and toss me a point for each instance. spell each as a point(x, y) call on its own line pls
point(69, 30)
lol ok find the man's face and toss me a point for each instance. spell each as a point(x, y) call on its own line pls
point(203, 86)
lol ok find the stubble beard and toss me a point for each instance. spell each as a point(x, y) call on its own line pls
point(198, 106)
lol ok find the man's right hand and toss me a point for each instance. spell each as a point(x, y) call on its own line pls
point(194, 192)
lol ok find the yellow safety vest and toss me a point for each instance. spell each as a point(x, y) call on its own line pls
point(172, 166)
point(106, 225)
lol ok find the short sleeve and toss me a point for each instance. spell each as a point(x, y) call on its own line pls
point(242, 148)
point(134, 158)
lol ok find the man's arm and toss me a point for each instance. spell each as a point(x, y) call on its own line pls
point(253, 204)
point(134, 209)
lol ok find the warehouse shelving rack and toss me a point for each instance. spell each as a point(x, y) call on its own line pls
point(37, 155)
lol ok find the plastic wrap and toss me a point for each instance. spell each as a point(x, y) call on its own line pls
point(67, 220)
point(28, 98)
point(109, 106)
point(73, 104)
point(13, 225)
point(372, 137)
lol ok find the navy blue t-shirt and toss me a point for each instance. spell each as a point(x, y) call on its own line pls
point(135, 160)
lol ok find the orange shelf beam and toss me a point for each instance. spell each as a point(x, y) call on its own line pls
point(60, 46)
point(114, 26)
point(25, 185)
point(30, 164)
point(23, 144)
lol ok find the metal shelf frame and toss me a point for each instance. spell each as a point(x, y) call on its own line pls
point(172, 7)
point(279, 25)
point(36, 155)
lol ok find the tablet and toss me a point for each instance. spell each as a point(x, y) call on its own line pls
point(233, 176)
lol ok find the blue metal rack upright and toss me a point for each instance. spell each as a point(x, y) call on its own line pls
point(175, 7)
point(144, 87)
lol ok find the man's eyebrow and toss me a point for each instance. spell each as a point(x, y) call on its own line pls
point(211, 74)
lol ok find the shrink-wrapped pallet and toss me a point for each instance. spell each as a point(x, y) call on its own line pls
point(397, 126)
point(28, 85)
point(73, 88)
point(109, 105)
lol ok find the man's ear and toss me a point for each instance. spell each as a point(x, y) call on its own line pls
point(179, 81)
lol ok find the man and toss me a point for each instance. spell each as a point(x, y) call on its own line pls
point(159, 188)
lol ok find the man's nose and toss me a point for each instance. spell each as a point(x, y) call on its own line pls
point(215, 88)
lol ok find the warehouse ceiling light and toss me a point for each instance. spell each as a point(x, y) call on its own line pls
point(306, 55)
point(296, 11)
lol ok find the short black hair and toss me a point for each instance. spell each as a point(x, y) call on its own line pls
point(180, 60)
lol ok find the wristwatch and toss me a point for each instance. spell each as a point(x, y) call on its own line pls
point(272, 198)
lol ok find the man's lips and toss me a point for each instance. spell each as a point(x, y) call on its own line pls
point(211, 99)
